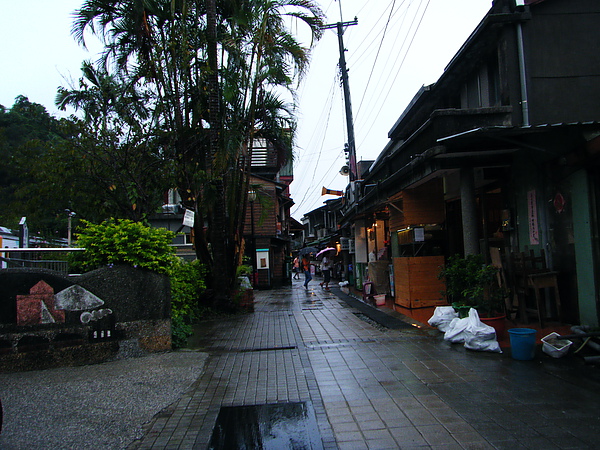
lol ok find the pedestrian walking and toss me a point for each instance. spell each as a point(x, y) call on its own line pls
point(306, 268)
point(296, 268)
point(326, 269)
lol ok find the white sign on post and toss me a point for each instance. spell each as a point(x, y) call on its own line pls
point(188, 218)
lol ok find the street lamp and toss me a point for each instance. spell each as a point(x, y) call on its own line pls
point(70, 215)
point(252, 199)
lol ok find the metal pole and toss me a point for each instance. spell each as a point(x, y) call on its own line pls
point(69, 230)
point(253, 238)
point(522, 75)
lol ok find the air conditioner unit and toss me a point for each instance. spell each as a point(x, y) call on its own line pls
point(170, 208)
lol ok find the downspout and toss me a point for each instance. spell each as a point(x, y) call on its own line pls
point(522, 75)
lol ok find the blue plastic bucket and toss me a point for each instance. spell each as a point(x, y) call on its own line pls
point(522, 343)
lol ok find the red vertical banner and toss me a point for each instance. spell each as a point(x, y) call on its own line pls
point(534, 236)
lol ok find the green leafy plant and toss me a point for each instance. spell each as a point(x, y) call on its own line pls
point(181, 330)
point(122, 241)
point(471, 282)
point(187, 285)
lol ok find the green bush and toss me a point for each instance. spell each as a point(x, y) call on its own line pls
point(471, 282)
point(181, 330)
point(121, 241)
point(187, 284)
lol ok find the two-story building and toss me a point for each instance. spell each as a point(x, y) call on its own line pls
point(268, 230)
point(501, 152)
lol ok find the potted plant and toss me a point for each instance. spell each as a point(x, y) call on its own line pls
point(470, 283)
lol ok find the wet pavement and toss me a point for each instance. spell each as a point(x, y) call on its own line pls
point(369, 386)
point(319, 370)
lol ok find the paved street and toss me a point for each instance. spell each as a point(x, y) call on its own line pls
point(317, 358)
point(378, 388)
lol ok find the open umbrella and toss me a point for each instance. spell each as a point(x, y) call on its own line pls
point(326, 251)
point(306, 250)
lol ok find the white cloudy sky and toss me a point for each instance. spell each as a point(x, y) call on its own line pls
point(397, 46)
point(389, 58)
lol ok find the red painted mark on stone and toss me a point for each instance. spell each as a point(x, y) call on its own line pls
point(29, 307)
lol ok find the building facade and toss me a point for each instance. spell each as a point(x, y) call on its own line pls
point(501, 152)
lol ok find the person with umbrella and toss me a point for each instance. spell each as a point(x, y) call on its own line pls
point(306, 268)
point(326, 265)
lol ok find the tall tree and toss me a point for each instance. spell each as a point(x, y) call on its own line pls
point(172, 50)
point(114, 146)
point(27, 134)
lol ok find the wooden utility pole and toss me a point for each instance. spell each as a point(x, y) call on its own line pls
point(340, 26)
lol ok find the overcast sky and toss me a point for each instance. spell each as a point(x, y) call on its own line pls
point(389, 57)
point(396, 47)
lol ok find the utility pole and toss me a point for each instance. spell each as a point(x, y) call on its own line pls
point(351, 149)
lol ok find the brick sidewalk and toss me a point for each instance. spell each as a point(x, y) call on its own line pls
point(373, 387)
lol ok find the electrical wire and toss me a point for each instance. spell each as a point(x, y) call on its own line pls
point(376, 56)
point(326, 122)
point(391, 12)
point(391, 67)
point(392, 84)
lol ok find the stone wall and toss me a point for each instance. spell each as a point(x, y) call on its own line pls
point(48, 319)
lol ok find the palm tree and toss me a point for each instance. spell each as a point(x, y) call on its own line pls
point(212, 68)
point(112, 144)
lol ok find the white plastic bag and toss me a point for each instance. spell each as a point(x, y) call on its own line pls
point(442, 316)
point(475, 343)
point(456, 330)
point(478, 335)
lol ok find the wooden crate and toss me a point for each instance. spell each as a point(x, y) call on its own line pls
point(416, 284)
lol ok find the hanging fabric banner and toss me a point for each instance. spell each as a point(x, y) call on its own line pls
point(534, 236)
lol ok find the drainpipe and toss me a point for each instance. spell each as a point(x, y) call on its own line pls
point(522, 75)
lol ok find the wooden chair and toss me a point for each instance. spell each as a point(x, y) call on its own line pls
point(502, 276)
point(531, 273)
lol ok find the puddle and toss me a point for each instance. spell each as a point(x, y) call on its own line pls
point(272, 427)
point(312, 304)
point(371, 322)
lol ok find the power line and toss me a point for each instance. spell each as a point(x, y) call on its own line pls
point(321, 148)
point(392, 84)
point(376, 57)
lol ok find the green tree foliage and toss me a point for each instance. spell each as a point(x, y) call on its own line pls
point(122, 241)
point(116, 155)
point(107, 166)
point(27, 135)
point(187, 286)
point(132, 243)
point(204, 115)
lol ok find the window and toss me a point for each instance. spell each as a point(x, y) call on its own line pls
point(482, 89)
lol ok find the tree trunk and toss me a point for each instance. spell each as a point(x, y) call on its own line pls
point(223, 271)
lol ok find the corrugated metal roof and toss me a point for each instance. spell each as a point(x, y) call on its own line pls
point(513, 130)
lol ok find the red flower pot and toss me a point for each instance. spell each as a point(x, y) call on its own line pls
point(499, 324)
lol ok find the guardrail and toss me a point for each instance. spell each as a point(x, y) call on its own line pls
point(34, 258)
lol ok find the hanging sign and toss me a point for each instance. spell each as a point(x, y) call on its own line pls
point(188, 218)
point(344, 243)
